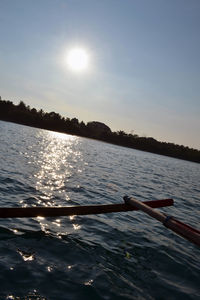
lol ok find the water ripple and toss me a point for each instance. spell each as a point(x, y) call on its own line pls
point(116, 256)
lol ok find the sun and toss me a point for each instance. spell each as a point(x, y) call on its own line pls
point(77, 59)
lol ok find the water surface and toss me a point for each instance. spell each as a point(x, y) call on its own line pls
point(116, 256)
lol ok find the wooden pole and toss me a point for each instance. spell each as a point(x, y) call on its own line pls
point(27, 212)
point(186, 231)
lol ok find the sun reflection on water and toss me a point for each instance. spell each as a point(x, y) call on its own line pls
point(59, 160)
point(55, 167)
point(26, 255)
point(76, 226)
point(89, 282)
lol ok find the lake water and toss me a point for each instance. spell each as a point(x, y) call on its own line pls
point(114, 256)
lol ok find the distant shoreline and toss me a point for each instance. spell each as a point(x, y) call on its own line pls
point(24, 115)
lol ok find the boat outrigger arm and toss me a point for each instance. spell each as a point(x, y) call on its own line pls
point(131, 204)
point(184, 230)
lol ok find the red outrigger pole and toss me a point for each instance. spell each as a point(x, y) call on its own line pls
point(54, 211)
point(186, 231)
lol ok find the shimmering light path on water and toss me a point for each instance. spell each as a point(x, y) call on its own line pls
point(117, 256)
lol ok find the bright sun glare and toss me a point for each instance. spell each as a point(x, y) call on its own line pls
point(78, 59)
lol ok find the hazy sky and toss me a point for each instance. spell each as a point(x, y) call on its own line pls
point(144, 69)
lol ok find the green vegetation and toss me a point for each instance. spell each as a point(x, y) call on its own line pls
point(25, 115)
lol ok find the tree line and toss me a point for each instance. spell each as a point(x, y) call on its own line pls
point(24, 114)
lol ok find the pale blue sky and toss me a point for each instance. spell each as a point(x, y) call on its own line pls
point(144, 70)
